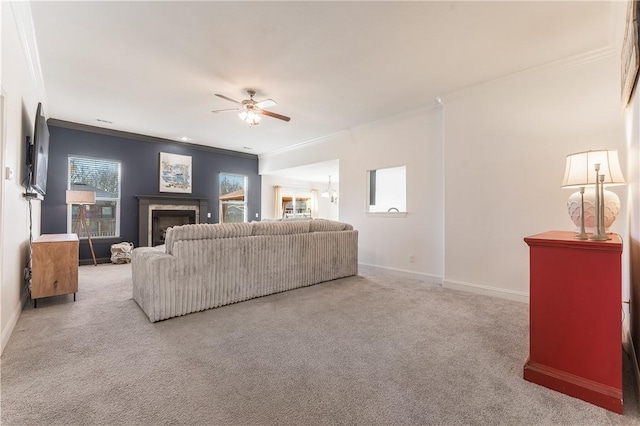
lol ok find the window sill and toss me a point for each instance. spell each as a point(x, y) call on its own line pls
point(386, 214)
point(102, 239)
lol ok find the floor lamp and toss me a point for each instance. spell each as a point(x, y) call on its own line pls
point(82, 199)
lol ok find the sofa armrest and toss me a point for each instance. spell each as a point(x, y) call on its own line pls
point(149, 267)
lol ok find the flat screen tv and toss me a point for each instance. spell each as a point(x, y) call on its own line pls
point(39, 153)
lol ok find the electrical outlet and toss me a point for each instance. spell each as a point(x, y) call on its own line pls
point(412, 258)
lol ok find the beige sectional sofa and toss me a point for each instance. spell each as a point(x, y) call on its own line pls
point(209, 265)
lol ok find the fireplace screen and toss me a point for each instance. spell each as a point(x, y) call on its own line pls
point(164, 219)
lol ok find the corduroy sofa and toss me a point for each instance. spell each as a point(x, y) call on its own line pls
point(204, 266)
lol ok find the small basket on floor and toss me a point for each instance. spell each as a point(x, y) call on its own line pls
point(121, 253)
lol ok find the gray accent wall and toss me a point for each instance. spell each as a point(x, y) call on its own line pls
point(139, 156)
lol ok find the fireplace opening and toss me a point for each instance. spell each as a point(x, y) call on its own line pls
point(161, 220)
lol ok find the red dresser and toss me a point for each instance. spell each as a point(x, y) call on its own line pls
point(575, 310)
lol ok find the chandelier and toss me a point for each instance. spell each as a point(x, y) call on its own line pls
point(330, 193)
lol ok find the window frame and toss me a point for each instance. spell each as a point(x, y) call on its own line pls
point(371, 187)
point(118, 200)
point(243, 203)
point(297, 196)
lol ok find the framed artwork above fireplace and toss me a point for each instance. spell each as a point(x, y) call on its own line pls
point(175, 173)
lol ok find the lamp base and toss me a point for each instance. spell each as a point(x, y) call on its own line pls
point(611, 209)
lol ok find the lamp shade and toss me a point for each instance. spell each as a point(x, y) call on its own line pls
point(81, 197)
point(580, 168)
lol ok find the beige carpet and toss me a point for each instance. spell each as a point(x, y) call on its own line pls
point(365, 350)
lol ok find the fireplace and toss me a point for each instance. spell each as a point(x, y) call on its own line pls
point(157, 213)
point(161, 220)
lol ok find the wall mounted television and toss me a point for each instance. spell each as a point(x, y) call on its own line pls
point(38, 154)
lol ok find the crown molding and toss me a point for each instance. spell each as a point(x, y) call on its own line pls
point(559, 65)
point(434, 106)
point(301, 144)
point(145, 138)
point(439, 102)
point(26, 31)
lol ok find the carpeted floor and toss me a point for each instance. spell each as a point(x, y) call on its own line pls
point(366, 350)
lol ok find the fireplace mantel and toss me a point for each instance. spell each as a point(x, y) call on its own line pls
point(147, 203)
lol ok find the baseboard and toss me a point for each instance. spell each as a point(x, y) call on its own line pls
point(429, 278)
point(501, 293)
point(98, 260)
point(6, 333)
point(578, 387)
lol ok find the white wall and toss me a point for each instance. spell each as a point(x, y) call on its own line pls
point(505, 149)
point(21, 98)
point(497, 152)
point(414, 140)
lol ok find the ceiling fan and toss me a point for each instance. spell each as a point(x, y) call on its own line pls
point(251, 110)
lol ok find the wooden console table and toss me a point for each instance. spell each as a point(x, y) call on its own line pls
point(54, 266)
point(576, 317)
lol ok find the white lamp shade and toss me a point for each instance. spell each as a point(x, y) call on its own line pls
point(580, 168)
point(81, 197)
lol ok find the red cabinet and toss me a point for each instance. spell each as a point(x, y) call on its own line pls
point(575, 314)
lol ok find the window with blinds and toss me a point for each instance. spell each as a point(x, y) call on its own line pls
point(103, 177)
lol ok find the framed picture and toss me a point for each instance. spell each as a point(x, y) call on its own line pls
point(175, 173)
point(630, 58)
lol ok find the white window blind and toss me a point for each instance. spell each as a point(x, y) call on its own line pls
point(103, 177)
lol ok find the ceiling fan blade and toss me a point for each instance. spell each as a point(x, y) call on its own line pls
point(227, 110)
point(274, 115)
point(266, 103)
point(229, 99)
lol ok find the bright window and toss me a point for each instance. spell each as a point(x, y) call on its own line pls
point(103, 177)
point(387, 190)
point(233, 200)
point(297, 205)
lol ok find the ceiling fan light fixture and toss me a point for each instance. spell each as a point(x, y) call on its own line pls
point(250, 117)
point(251, 111)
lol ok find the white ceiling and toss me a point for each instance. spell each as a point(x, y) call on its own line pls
point(153, 67)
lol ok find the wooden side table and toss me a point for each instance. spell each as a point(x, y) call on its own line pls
point(576, 317)
point(54, 266)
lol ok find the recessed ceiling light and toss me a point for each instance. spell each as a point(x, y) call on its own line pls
point(104, 121)
point(184, 138)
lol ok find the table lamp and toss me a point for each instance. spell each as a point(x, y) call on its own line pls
point(593, 208)
point(82, 199)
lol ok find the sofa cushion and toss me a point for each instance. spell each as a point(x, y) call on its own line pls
point(324, 225)
point(281, 228)
point(206, 231)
